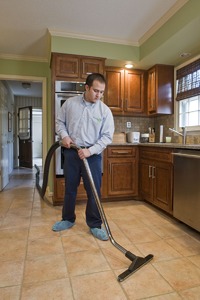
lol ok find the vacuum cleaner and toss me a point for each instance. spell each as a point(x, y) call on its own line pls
point(136, 261)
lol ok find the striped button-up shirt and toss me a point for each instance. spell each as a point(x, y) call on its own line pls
point(87, 124)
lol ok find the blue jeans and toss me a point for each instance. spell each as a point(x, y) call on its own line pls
point(74, 169)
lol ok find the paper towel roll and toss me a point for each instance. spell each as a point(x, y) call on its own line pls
point(161, 134)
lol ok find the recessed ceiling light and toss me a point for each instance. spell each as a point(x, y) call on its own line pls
point(185, 54)
point(128, 66)
point(26, 85)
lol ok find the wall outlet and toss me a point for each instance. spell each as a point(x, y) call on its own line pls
point(128, 124)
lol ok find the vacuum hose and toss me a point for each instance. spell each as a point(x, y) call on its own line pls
point(42, 189)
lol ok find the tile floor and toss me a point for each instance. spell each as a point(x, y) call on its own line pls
point(36, 263)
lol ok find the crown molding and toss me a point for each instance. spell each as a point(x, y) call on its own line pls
point(23, 57)
point(176, 7)
point(91, 38)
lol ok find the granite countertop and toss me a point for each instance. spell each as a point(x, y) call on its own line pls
point(162, 145)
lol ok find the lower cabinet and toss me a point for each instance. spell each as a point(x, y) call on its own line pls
point(59, 191)
point(120, 179)
point(156, 177)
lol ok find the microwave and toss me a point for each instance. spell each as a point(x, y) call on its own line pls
point(72, 87)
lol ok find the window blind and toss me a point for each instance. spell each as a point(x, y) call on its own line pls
point(188, 81)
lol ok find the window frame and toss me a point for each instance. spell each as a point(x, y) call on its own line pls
point(193, 130)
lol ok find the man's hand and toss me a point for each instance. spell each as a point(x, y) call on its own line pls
point(84, 153)
point(66, 142)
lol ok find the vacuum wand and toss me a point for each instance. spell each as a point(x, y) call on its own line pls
point(137, 262)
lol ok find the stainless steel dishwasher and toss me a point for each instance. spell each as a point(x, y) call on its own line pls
point(186, 206)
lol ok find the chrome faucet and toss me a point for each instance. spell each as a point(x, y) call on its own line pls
point(183, 134)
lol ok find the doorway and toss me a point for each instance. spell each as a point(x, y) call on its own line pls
point(41, 115)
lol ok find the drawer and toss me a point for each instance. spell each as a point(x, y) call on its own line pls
point(157, 154)
point(122, 151)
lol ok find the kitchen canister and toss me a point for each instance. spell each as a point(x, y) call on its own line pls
point(133, 137)
point(144, 138)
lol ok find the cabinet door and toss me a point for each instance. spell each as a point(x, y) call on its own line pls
point(134, 91)
point(146, 183)
point(67, 66)
point(162, 177)
point(122, 177)
point(151, 97)
point(89, 66)
point(114, 93)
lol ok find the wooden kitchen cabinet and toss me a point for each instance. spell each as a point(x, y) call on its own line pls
point(59, 191)
point(160, 90)
point(74, 67)
point(156, 177)
point(120, 178)
point(125, 91)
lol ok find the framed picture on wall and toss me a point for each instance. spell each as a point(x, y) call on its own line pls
point(9, 122)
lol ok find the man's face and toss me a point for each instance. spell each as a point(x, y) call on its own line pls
point(95, 92)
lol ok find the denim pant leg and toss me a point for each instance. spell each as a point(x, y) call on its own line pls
point(72, 172)
point(93, 217)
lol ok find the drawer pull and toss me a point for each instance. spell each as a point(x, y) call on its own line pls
point(120, 152)
point(154, 172)
point(150, 171)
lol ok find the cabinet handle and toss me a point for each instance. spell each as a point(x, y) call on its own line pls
point(120, 152)
point(150, 171)
point(109, 168)
point(126, 104)
point(153, 172)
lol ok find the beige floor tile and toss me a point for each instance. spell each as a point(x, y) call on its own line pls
point(195, 259)
point(191, 294)
point(49, 290)
point(80, 227)
point(180, 273)
point(10, 293)
point(21, 203)
point(186, 245)
point(140, 234)
point(117, 259)
point(118, 236)
point(97, 286)
point(86, 262)
point(12, 250)
point(79, 242)
point(45, 268)
point(37, 263)
point(13, 234)
point(38, 232)
point(44, 247)
point(160, 249)
point(170, 296)
point(11, 221)
point(168, 231)
point(11, 273)
point(144, 283)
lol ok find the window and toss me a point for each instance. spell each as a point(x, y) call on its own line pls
point(188, 96)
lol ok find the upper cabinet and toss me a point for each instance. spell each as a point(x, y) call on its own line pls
point(125, 91)
point(75, 67)
point(160, 90)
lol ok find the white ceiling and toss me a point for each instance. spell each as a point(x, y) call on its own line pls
point(24, 24)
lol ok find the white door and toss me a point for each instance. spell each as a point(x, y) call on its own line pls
point(4, 175)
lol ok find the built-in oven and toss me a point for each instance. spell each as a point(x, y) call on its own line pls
point(63, 91)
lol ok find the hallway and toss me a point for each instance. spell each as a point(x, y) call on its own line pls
point(39, 264)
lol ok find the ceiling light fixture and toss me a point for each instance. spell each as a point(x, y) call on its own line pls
point(129, 66)
point(185, 54)
point(26, 85)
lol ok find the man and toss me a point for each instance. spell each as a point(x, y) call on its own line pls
point(87, 122)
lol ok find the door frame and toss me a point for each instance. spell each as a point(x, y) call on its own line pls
point(43, 80)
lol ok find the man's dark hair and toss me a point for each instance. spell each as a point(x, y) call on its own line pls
point(95, 76)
